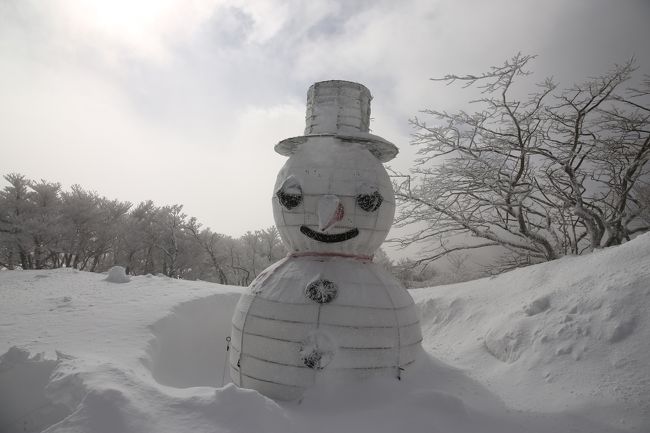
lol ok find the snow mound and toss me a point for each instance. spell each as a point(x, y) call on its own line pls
point(575, 330)
point(539, 305)
point(117, 274)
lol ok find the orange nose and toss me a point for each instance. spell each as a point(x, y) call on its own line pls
point(330, 211)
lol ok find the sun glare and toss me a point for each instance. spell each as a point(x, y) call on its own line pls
point(137, 24)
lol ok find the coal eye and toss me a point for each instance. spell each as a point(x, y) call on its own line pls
point(290, 193)
point(370, 202)
point(288, 200)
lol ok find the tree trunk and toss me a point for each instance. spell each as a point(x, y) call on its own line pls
point(23, 260)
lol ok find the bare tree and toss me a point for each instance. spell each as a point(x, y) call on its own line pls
point(537, 177)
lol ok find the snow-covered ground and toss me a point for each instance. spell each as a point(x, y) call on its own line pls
point(559, 347)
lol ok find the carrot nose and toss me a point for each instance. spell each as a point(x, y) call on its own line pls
point(330, 211)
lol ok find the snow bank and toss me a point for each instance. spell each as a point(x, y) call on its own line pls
point(553, 348)
point(24, 405)
point(572, 334)
point(188, 345)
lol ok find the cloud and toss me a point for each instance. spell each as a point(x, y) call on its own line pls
point(187, 98)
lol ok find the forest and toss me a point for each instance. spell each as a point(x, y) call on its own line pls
point(43, 226)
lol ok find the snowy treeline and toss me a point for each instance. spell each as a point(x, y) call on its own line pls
point(42, 226)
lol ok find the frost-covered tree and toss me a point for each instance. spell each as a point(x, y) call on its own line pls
point(536, 176)
point(42, 221)
point(170, 221)
point(14, 211)
point(214, 247)
point(272, 247)
point(136, 240)
point(42, 226)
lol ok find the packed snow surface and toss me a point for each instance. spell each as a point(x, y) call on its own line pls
point(559, 347)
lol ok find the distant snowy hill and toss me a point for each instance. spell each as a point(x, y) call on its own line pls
point(558, 347)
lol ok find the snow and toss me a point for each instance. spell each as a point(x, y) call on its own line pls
point(576, 327)
point(117, 274)
point(558, 347)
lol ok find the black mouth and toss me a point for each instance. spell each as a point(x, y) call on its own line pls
point(330, 239)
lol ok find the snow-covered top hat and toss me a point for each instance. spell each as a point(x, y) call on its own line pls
point(339, 109)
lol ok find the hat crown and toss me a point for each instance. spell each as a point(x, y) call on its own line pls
point(337, 107)
point(339, 111)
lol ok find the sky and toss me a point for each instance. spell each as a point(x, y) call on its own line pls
point(182, 101)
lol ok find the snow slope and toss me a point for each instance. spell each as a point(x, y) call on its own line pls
point(559, 347)
point(570, 335)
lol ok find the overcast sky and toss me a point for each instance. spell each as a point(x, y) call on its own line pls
point(182, 101)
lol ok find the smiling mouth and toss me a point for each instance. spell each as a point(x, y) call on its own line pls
point(324, 237)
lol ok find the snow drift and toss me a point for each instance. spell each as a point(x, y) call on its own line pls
point(562, 346)
point(572, 334)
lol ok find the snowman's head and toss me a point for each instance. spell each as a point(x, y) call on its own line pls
point(333, 196)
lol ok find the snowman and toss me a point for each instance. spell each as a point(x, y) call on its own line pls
point(326, 311)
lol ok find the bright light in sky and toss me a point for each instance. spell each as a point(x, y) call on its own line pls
point(129, 19)
point(182, 101)
point(142, 27)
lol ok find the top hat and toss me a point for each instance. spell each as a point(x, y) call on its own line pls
point(339, 109)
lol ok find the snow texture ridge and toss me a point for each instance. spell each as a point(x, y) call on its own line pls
point(558, 347)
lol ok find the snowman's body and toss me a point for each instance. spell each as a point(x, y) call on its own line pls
point(327, 310)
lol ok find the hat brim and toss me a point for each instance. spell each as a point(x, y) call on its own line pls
point(383, 150)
